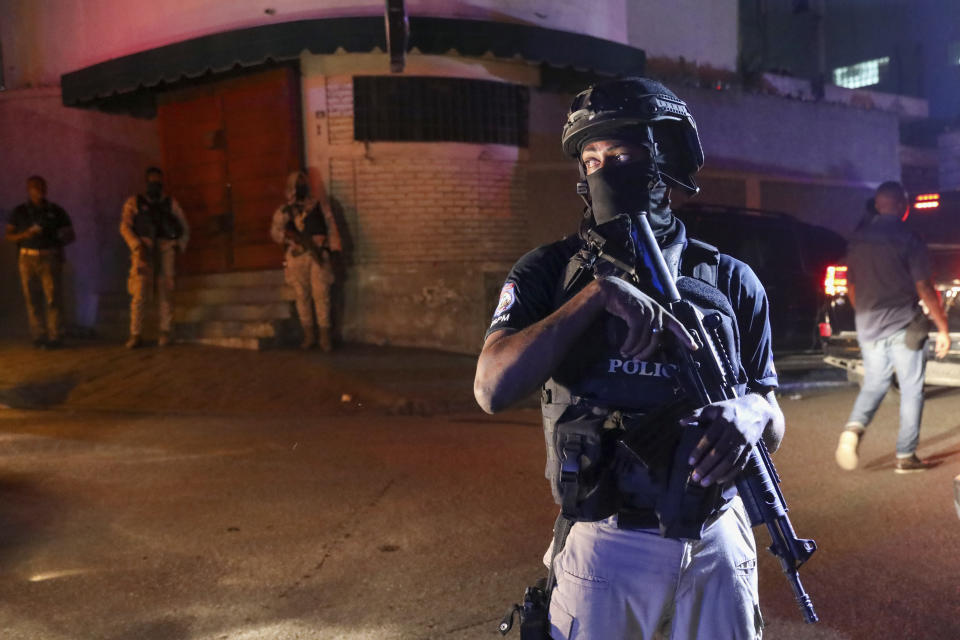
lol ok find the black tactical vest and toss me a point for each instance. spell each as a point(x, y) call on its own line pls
point(155, 219)
point(595, 397)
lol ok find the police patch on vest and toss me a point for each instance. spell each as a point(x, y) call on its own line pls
point(508, 296)
point(641, 368)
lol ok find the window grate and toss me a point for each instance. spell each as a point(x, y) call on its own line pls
point(429, 109)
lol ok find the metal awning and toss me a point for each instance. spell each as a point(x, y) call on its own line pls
point(129, 84)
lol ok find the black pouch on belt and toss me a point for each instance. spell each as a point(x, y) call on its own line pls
point(917, 331)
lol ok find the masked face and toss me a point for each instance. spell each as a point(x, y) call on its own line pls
point(154, 187)
point(302, 190)
point(622, 180)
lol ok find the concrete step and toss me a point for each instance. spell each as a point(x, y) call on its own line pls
point(255, 344)
point(249, 312)
point(232, 329)
point(269, 278)
point(234, 295)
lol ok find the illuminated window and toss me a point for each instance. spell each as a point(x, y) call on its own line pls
point(953, 53)
point(862, 74)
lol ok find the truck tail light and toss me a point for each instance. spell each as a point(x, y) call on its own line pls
point(835, 282)
point(927, 201)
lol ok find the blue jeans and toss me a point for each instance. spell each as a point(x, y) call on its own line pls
point(880, 359)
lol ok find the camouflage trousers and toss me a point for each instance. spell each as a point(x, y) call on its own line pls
point(311, 284)
point(143, 275)
point(48, 269)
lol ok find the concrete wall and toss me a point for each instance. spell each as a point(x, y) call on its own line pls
point(701, 31)
point(753, 131)
point(91, 162)
point(949, 151)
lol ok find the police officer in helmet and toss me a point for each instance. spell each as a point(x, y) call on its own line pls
point(598, 345)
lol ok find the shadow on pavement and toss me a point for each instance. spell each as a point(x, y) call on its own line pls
point(889, 461)
point(38, 395)
point(943, 456)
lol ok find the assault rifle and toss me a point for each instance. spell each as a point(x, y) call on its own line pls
point(706, 376)
point(305, 240)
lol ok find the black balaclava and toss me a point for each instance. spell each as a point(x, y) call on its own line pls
point(630, 189)
point(154, 189)
point(302, 190)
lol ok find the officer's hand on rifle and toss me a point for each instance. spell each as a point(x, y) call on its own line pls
point(292, 237)
point(646, 319)
point(146, 243)
point(731, 428)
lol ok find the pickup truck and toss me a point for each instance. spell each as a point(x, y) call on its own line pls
point(934, 217)
point(788, 256)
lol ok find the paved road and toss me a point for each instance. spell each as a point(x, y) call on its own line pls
point(125, 520)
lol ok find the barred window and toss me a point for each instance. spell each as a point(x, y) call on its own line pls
point(430, 109)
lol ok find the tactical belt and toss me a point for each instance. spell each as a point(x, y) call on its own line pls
point(633, 519)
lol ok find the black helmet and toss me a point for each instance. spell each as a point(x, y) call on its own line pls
point(620, 106)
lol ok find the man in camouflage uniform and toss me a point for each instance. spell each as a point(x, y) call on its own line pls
point(309, 234)
point(154, 227)
point(41, 229)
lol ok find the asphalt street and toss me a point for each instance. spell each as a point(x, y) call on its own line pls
point(334, 517)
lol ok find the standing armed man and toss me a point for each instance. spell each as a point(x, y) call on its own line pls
point(888, 274)
point(569, 322)
point(41, 229)
point(309, 235)
point(155, 229)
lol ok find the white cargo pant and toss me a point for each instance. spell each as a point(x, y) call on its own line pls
point(616, 584)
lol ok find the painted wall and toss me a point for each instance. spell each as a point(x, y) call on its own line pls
point(91, 162)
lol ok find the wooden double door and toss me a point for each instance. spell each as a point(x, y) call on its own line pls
point(228, 147)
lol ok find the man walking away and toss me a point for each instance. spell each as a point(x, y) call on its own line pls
point(889, 274)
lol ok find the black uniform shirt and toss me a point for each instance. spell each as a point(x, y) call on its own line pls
point(530, 295)
point(48, 215)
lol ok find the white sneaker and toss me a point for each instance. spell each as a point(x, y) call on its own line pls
point(846, 453)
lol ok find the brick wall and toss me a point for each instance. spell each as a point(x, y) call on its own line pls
point(430, 231)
